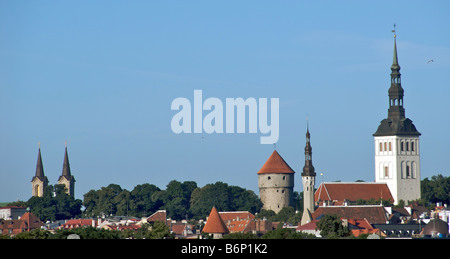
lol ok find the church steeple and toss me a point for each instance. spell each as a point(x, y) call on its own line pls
point(397, 144)
point(308, 169)
point(396, 110)
point(66, 166)
point(66, 177)
point(308, 181)
point(39, 181)
point(396, 124)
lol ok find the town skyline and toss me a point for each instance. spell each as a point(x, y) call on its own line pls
point(103, 78)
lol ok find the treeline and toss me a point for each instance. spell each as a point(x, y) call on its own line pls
point(181, 200)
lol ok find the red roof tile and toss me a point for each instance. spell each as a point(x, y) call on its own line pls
point(338, 192)
point(215, 224)
point(374, 214)
point(276, 164)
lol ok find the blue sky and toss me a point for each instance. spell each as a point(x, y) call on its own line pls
point(102, 75)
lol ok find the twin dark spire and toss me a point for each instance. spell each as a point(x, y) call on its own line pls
point(66, 174)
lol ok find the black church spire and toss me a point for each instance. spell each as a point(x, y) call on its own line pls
point(308, 169)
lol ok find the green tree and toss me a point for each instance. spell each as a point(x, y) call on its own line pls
point(102, 201)
point(55, 204)
point(224, 198)
point(34, 234)
point(176, 198)
point(286, 233)
point(330, 226)
point(436, 189)
point(145, 199)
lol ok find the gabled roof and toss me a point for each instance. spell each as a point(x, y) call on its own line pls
point(235, 215)
point(76, 223)
point(338, 192)
point(28, 221)
point(160, 215)
point(215, 224)
point(275, 164)
point(374, 214)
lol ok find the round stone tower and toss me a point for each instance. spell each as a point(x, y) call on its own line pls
point(276, 183)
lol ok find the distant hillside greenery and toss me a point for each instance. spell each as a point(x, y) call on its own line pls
point(182, 200)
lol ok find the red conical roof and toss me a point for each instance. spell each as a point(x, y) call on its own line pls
point(276, 164)
point(215, 224)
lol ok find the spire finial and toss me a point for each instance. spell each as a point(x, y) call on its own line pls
point(39, 145)
point(66, 143)
point(307, 123)
point(395, 61)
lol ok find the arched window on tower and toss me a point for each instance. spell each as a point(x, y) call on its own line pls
point(402, 170)
point(390, 146)
point(408, 171)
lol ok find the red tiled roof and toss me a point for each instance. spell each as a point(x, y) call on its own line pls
point(215, 224)
point(235, 215)
point(28, 221)
point(308, 226)
point(374, 214)
point(338, 192)
point(160, 215)
point(275, 164)
point(76, 223)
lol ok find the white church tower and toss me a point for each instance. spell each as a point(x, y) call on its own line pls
point(397, 149)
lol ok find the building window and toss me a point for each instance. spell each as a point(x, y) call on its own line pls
point(407, 146)
point(402, 146)
point(402, 170)
point(381, 146)
point(386, 172)
point(390, 146)
point(412, 146)
point(385, 148)
point(408, 173)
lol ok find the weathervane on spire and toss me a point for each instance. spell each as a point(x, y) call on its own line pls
point(394, 30)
